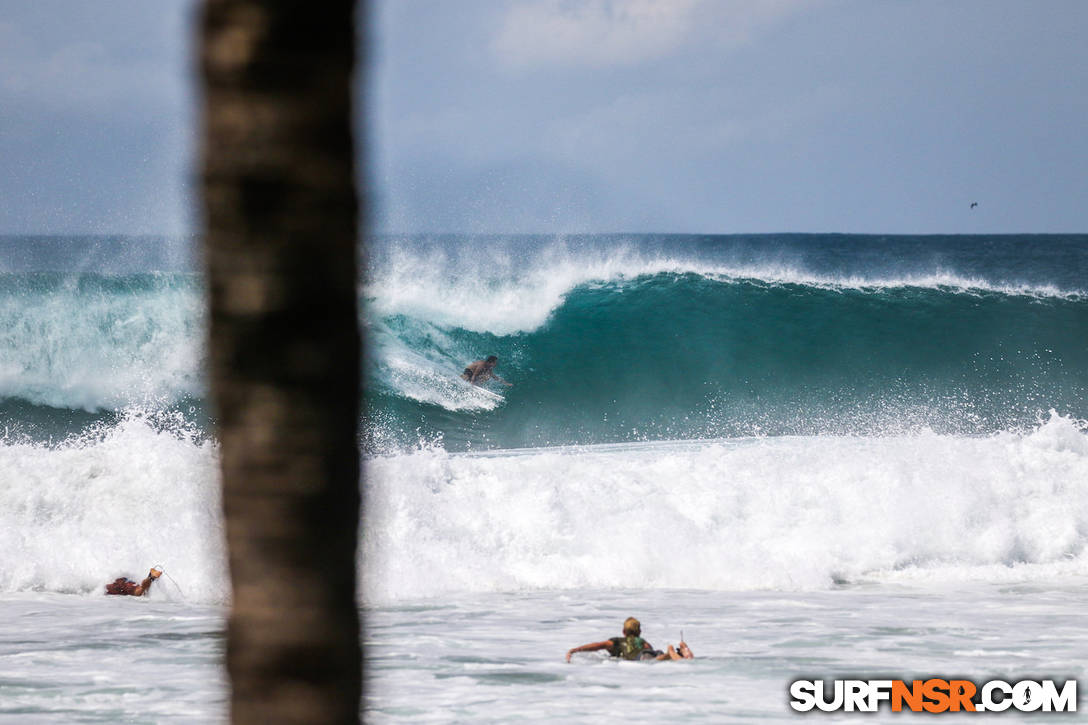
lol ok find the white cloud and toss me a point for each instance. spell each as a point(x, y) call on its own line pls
point(675, 125)
point(84, 76)
point(593, 32)
point(603, 33)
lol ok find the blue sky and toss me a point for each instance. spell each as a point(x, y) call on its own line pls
point(557, 116)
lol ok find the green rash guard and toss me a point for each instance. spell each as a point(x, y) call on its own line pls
point(628, 648)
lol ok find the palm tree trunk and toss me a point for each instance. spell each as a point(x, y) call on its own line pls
point(281, 253)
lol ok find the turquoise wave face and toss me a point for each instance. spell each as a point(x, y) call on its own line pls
point(95, 342)
point(670, 356)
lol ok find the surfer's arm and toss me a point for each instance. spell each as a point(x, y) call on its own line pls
point(591, 647)
point(509, 385)
point(145, 584)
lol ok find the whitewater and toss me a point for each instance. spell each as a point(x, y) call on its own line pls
point(814, 454)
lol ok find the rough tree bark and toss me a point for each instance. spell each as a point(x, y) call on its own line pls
point(281, 222)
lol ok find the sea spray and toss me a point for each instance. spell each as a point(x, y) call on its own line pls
point(96, 342)
point(112, 502)
point(790, 513)
point(760, 513)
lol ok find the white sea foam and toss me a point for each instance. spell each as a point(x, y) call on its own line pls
point(499, 657)
point(764, 513)
point(112, 503)
point(95, 350)
point(431, 373)
point(427, 383)
point(773, 513)
point(505, 294)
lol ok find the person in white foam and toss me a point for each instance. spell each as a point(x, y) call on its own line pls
point(483, 370)
point(124, 586)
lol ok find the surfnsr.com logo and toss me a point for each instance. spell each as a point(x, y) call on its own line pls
point(933, 695)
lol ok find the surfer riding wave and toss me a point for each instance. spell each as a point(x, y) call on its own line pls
point(481, 371)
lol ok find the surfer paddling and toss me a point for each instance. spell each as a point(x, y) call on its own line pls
point(123, 585)
point(483, 370)
point(631, 646)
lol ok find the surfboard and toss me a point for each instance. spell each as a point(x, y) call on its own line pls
point(488, 393)
point(482, 390)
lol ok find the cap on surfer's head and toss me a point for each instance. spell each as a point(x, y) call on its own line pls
point(491, 358)
point(632, 626)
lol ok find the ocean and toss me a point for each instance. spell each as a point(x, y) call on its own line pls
point(818, 456)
